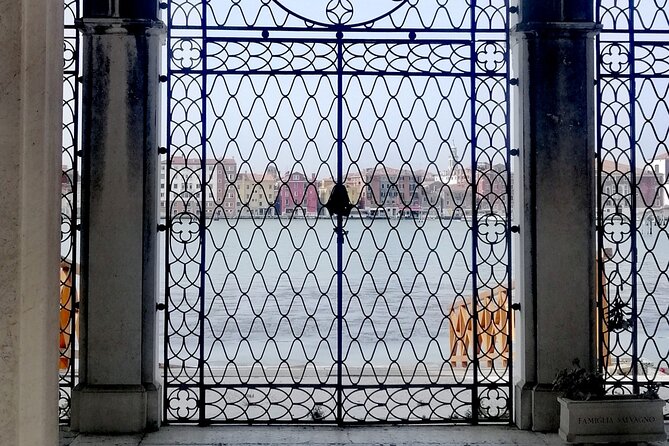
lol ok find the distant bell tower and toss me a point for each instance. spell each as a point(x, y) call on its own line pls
point(450, 176)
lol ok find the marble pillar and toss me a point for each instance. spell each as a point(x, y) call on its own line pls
point(30, 139)
point(556, 273)
point(118, 389)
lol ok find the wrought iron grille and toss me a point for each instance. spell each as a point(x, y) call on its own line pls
point(633, 207)
point(337, 203)
point(69, 211)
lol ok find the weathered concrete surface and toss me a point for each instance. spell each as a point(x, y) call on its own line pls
point(118, 390)
point(322, 435)
point(556, 280)
point(30, 140)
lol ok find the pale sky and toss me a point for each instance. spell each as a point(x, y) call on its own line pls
point(392, 120)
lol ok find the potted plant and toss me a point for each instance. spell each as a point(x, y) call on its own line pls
point(588, 415)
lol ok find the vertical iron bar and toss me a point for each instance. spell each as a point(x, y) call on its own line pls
point(168, 213)
point(203, 214)
point(340, 225)
point(509, 215)
point(75, 211)
point(633, 185)
point(598, 198)
point(474, 233)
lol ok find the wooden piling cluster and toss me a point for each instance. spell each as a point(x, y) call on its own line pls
point(493, 329)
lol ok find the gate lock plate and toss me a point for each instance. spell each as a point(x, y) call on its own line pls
point(339, 203)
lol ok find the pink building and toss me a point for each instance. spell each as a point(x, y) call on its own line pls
point(298, 194)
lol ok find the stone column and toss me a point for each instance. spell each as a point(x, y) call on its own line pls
point(118, 389)
point(31, 81)
point(556, 274)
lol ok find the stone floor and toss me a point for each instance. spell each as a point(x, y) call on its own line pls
point(322, 436)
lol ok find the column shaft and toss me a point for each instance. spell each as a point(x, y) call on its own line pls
point(31, 81)
point(118, 390)
point(557, 243)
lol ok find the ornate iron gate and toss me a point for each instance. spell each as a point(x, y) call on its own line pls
point(337, 203)
point(69, 211)
point(633, 208)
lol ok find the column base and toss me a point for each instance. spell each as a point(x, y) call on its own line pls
point(537, 408)
point(116, 409)
point(523, 406)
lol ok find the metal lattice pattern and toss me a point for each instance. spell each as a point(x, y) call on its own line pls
point(337, 199)
point(69, 211)
point(633, 204)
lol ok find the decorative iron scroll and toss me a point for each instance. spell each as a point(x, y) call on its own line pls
point(633, 209)
point(286, 302)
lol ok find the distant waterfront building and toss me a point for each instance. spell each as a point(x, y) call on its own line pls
point(226, 196)
point(616, 187)
point(256, 194)
point(243, 187)
point(355, 187)
point(491, 189)
point(298, 195)
point(660, 166)
point(185, 186)
point(325, 190)
point(401, 192)
point(355, 184)
point(397, 191)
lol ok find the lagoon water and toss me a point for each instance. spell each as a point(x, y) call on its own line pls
point(270, 291)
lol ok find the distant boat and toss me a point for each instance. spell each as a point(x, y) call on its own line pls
point(382, 213)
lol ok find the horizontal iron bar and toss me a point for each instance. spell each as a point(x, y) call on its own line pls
point(298, 422)
point(634, 76)
point(334, 386)
point(334, 73)
point(605, 31)
point(342, 29)
point(639, 43)
point(641, 383)
point(333, 41)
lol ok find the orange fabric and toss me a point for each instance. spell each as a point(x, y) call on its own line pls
point(65, 317)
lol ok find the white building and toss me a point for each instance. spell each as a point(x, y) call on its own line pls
point(660, 167)
point(185, 186)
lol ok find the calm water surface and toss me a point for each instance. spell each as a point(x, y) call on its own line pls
point(271, 290)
